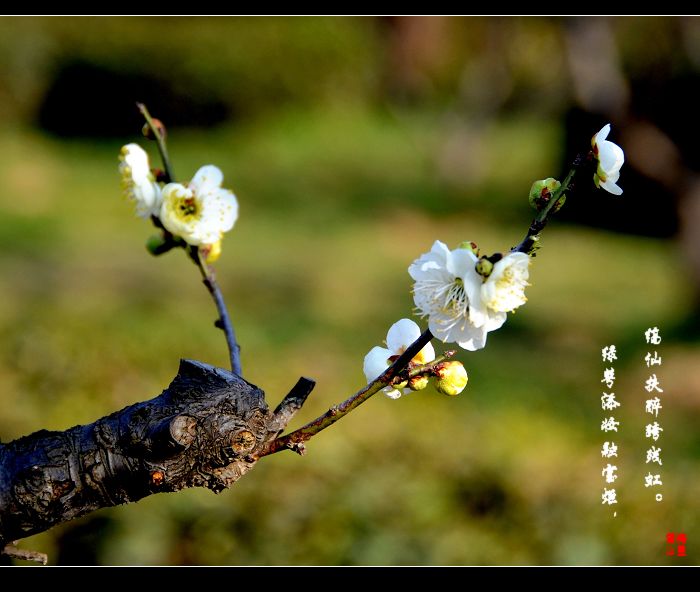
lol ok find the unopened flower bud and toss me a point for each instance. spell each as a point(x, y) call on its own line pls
point(211, 252)
point(469, 246)
point(400, 385)
point(148, 132)
point(418, 383)
point(451, 378)
point(158, 244)
point(484, 267)
point(541, 192)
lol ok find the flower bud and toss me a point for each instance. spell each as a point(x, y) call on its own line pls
point(148, 132)
point(541, 192)
point(452, 378)
point(484, 267)
point(400, 385)
point(469, 246)
point(211, 252)
point(418, 383)
point(158, 244)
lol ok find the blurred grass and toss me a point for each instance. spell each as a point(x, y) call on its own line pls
point(335, 203)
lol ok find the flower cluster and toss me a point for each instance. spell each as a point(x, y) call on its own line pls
point(465, 297)
point(451, 377)
point(199, 212)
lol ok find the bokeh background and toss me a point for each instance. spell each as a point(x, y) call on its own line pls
point(352, 144)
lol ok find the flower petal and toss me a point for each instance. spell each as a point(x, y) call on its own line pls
point(402, 334)
point(391, 392)
point(207, 178)
point(475, 342)
point(611, 157)
point(461, 263)
point(602, 134)
point(611, 187)
point(219, 214)
point(427, 354)
point(376, 361)
point(463, 333)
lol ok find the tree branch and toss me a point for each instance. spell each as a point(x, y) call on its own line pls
point(224, 321)
point(205, 430)
point(24, 554)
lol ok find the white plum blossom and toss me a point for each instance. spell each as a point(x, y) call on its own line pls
point(461, 305)
point(504, 289)
point(401, 334)
point(201, 211)
point(445, 290)
point(610, 159)
point(138, 182)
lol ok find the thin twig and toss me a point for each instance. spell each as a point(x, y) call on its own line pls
point(224, 320)
point(431, 366)
point(295, 440)
point(25, 554)
point(160, 141)
point(292, 402)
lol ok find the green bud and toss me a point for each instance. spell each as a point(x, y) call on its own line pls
point(541, 192)
point(484, 267)
point(469, 246)
point(157, 244)
point(452, 378)
point(418, 383)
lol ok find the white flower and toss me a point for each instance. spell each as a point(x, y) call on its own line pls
point(610, 158)
point(401, 334)
point(504, 289)
point(448, 292)
point(138, 181)
point(202, 211)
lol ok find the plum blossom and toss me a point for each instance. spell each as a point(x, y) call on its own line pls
point(201, 211)
point(401, 334)
point(138, 182)
point(610, 159)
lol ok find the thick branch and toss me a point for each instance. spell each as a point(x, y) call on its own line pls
point(205, 430)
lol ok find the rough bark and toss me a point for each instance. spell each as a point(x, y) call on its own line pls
point(205, 430)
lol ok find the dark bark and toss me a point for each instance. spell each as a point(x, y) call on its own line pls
point(205, 430)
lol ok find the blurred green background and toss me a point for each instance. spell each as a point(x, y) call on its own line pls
point(352, 144)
